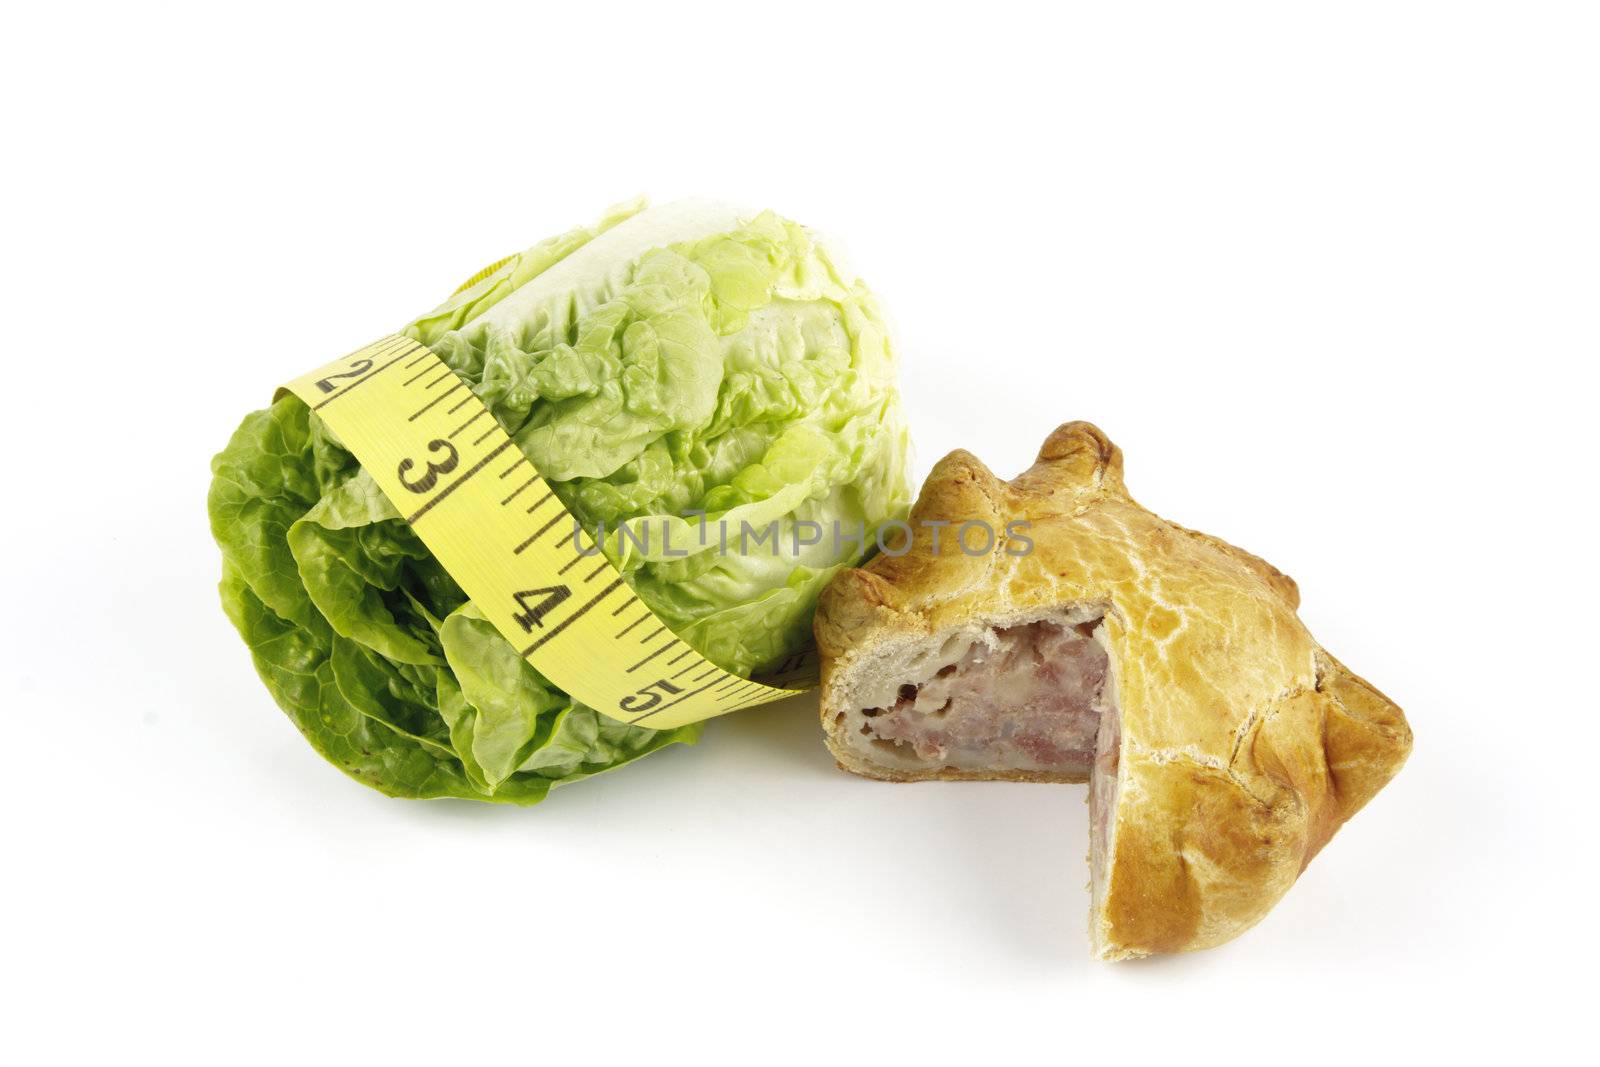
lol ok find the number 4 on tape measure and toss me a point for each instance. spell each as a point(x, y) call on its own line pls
point(537, 603)
point(498, 528)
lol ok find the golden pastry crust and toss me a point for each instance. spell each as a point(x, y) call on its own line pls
point(1244, 745)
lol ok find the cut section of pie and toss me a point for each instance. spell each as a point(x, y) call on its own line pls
point(1094, 641)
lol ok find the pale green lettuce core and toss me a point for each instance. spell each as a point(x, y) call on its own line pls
point(682, 359)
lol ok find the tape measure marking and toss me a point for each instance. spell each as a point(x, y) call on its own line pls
point(545, 583)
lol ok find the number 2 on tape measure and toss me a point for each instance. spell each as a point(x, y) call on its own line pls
point(498, 528)
point(357, 369)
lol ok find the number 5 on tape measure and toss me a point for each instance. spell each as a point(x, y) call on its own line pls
point(499, 530)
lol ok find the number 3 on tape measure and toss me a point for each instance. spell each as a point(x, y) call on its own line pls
point(501, 532)
point(430, 478)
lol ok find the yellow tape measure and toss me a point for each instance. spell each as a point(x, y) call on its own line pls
point(497, 527)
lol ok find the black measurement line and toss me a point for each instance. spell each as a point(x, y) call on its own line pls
point(424, 408)
point(731, 684)
point(541, 502)
point(394, 345)
point(457, 407)
point(389, 347)
point(562, 543)
point(634, 623)
point(570, 619)
point(518, 490)
point(645, 640)
point(509, 471)
point(447, 374)
point(701, 677)
point(481, 413)
point(652, 655)
point(459, 482)
point(423, 373)
point(540, 532)
point(425, 354)
point(359, 381)
point(625, 607)
point(690, 667)
point(485, 435)
point(680, 655)
point(605, 565)
point(569, 564)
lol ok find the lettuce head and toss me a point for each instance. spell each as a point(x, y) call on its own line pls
point(664, 364)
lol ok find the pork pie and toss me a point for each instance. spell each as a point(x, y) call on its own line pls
point(1222, 745)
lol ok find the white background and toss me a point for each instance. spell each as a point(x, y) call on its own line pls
point(1327, 273)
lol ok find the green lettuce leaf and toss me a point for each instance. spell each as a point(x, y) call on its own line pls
point(670, 371)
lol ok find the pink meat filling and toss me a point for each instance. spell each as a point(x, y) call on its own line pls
point(1028, 700)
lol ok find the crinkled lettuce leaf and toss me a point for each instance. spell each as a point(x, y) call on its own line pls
point(680, 370)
